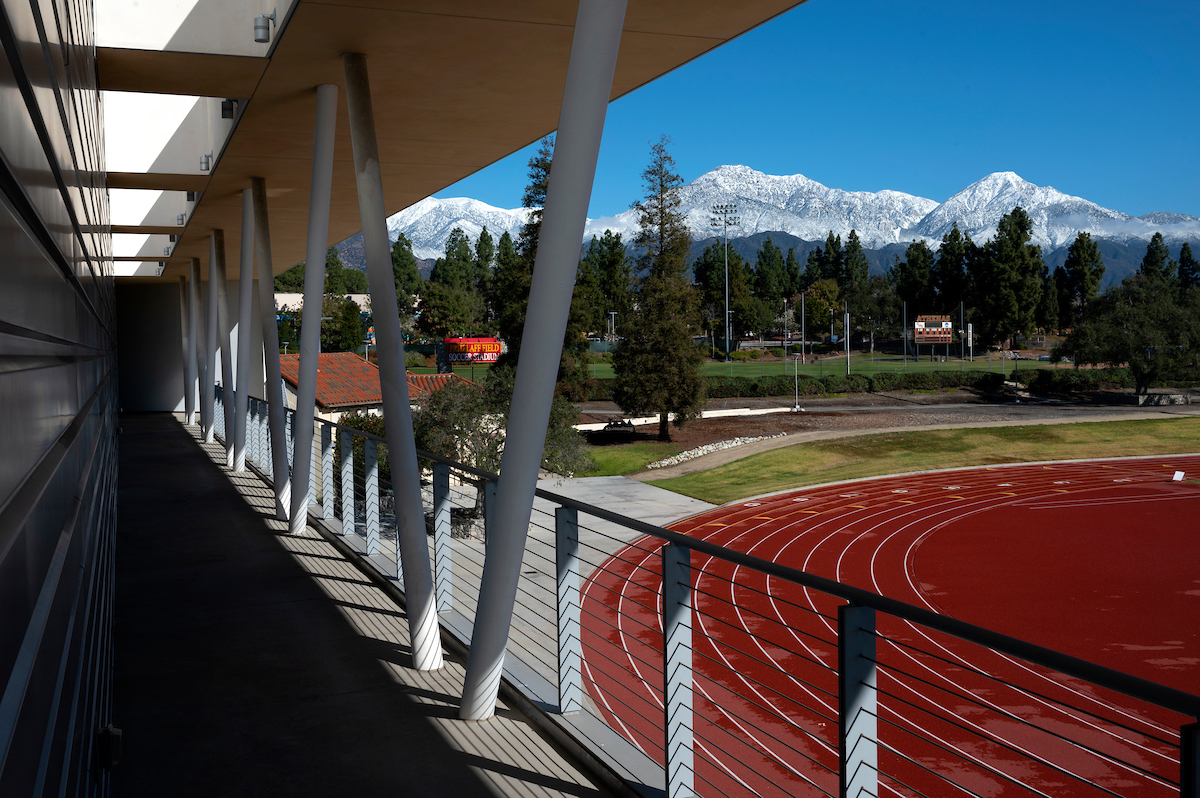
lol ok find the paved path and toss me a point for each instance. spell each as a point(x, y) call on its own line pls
point(253, 662)
point(1024, 415)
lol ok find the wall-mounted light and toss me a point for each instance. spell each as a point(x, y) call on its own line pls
point(167, 251)
point(162, 266)
point(206, 162)
point(229, 109)
point(262, 27)
point(180, 219)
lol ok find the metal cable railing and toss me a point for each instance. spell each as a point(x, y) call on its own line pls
point(736, 675)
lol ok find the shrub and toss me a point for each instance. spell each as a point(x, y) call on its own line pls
point(776, 352)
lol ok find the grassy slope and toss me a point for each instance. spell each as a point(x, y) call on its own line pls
point(892, 453)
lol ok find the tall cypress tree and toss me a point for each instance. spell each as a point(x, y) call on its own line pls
point(914, 278)
point(405, 274)
point(1010, 279)
point(770, 279)
point(657, 364)
point(485, 255)
point(1084, 268)
point(951, 271)
point(1157, 261)
point(1189, 270)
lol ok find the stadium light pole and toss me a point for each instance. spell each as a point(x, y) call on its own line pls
point(725, 216)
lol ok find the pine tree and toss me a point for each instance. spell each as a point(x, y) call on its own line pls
point(1189, 270)
point(606, 278)
point(1084, 267)
point(485, 255)
point(1010, 279)
point(856, 295)
point(794, 283)
point(534, 199)
point(770, 279)
point(831, 259)
point(405, 275)
point(951, 271)
point(657, 364)
point(1157, 262)
point(709, 272)
point(914, 278)
point(457, 268)
point(335, 280)
point(1062, 291)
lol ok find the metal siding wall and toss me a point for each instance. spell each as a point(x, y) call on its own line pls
point(58, 404)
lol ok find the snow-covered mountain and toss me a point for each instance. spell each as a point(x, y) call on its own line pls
point(808, 210)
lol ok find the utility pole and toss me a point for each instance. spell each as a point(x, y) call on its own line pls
point(725, 216)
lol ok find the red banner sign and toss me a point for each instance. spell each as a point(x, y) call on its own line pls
point(473, 350)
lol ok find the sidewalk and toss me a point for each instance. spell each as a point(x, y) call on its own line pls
point(253, 662)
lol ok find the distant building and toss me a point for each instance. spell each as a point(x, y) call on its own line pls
point(347, 384)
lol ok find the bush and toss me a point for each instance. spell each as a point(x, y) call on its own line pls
point(416, 360)
point(776, 352)
point(885, 381)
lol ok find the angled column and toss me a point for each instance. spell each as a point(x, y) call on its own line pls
point(219, 288)
point(245, 298)
point(580, 125)
point(280, 476)
point(314, 289)
point(191, 401)
point(858, 711)
point(412, 548)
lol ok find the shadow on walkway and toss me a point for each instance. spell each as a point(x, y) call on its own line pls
point(253, 662)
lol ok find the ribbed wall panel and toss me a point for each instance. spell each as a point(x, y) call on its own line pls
point(58, 404)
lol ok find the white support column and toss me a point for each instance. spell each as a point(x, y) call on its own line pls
point(189, 407)
point(245, 302)
point(443, 544)
point(371, 494)
point(280, 476)
point(314, 289)
point(678, 684)
point(219, 287)
point(412, 548)
point(570, 645)
point(347, 441)
point(192, 395)
point(580, 125)
point(327, 498)
point(208, 395)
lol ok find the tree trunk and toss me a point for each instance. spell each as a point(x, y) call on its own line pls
point(664, 434)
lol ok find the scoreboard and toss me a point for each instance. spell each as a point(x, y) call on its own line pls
point(933, 330)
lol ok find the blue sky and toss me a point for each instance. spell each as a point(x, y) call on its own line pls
point(1099, 99)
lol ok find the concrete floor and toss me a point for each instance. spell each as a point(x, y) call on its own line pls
point(253, 662)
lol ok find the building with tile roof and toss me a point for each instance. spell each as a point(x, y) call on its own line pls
point(346, 384)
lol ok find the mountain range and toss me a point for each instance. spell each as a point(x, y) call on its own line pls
point(803, 210)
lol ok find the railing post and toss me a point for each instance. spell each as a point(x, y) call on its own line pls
point(372, 496)
point(677, 670)
point(443, 561)
point(252, 410)
point(857, 702)
point(1189, 761)
point(347, 440)
point(289, 436)
point(313, 454)
point(327, 498)
point(570, 651)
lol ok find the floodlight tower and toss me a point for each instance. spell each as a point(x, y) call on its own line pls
point(725, 216)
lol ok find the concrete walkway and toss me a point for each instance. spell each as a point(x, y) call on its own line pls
point(253, 662)
point(1024, 415)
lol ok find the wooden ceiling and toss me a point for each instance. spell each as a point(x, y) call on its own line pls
point(456, 85)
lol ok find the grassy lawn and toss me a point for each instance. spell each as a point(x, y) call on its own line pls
point(625, 459)
point(859, 364)
point(893, 453)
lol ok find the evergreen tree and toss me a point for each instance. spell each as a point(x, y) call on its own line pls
point(485, 255)
point(831, 259)
point(1047, 311)
point(534, 199)
point(450, 312)
point(1189, 270)
point(855, 288)
point(291, 281)
point(509, 291)
point(820, 298)
point(1084, 267)
point(608, 273)
point(657, 364)
point(457, 268)
point(405, 275)
point(348, 326)
point(951, 275)
point(709, 272)
point(914, 279)
point(335, 278)
point(794, 283)
point(1010, 279)
point(770, 279)
point(1157, 261)
point(1062, 291)
point(814, 268)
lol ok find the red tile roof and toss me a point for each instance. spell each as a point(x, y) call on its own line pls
point(346, 380)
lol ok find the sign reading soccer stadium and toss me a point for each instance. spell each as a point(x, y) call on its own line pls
point(932, 330)
point(473, 350)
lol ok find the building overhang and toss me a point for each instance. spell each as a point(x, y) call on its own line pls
point(456, 85)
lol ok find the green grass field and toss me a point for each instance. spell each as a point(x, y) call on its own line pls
point(859, 364)
point(893, 453)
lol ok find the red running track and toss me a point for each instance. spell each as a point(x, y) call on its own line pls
point(1094, 559)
